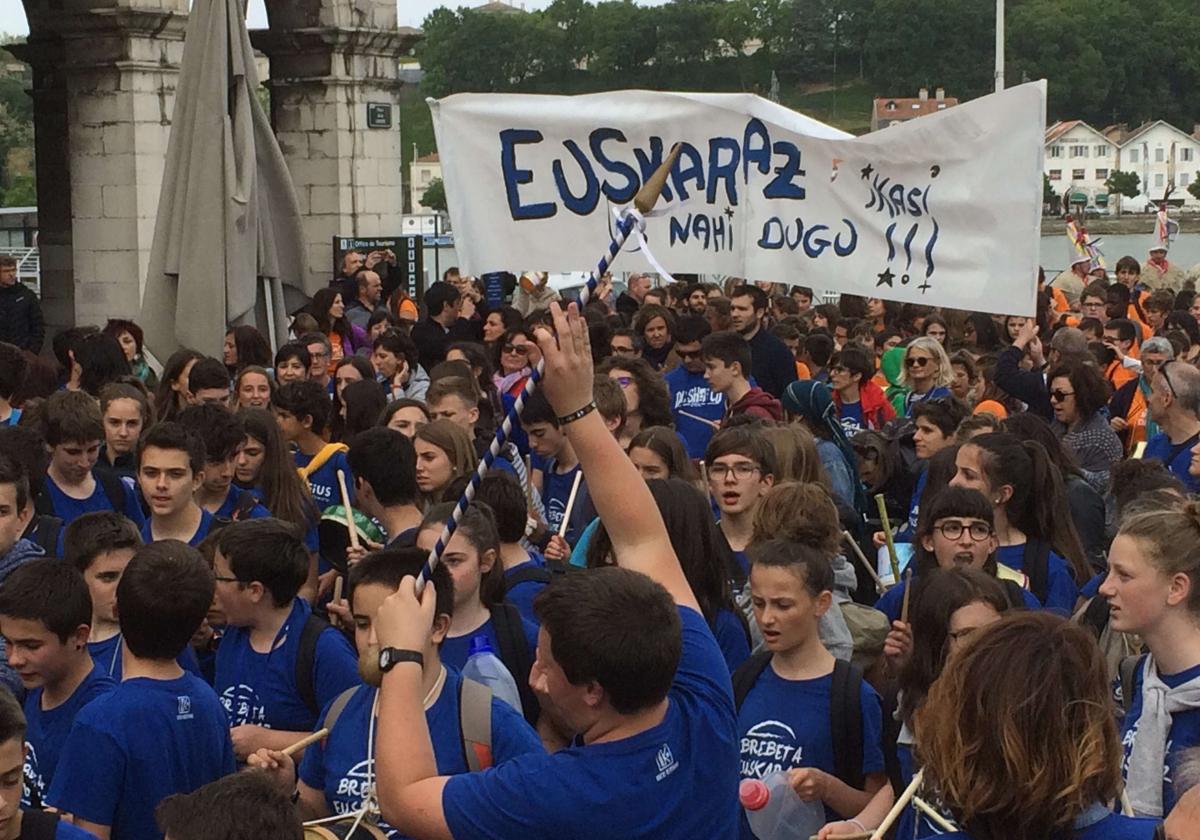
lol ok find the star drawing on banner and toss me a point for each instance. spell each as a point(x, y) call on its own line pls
point(885, 276)
point(866, 171)
point(729, 212)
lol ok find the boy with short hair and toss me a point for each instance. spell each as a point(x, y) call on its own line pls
point(278, 665)
point(45, 613)
point(384, 463)
point(741, 469)
point(162, 730)
point(170, 471)
point(610, 404)
point(302, 410)
point(223, 436)
point(208, 382)
point(237, 807)
point(16, 512)
point(697, 408)
point(74, 430)
point(12, 372)
point(726, 357)
point(560, 465)
point(456, 398)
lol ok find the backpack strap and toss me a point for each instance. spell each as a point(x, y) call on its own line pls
point(475, 721)
point(1037, 568)
point(39, 825)
point(1127, 674)
point(45, 532)
point(338, 706)
point(1014, 593)
point(321, 458)
point(514, 653)
point(306, 661)
point(113, 488)
point(531, 573)
point(1093, 615)
point(747, 674)
point(846, 723)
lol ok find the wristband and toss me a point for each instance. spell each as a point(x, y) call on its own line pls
point(577, 415)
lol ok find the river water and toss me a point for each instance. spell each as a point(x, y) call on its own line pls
point(1056, 251)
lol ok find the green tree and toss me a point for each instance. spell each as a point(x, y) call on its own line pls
point(21, 192)
point(434, 196)
point(1126, 184)
point(1048, 195)
point(1194, 189)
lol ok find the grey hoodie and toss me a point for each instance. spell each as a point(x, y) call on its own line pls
point(22, 552)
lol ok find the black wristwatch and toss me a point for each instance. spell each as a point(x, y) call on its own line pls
point(389, 656)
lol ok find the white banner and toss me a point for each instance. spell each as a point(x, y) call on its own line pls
point(942, 210)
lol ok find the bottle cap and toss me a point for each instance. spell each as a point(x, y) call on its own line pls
point(753, 794)
point(480, 644)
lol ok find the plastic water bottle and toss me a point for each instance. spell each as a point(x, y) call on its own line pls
point(776, 812)
point(485, 667)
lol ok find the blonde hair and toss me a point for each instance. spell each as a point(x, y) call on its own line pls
point(945, 373)
point(801, 513)
point(1170, 538)
point(796, 456)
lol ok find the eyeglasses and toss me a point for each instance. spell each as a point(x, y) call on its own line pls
point(740, 470)
point(917, 361)
point(688, 354)
point(953, 529)
point(1059, 396)
point(624, 381)
point(838, 369)
point(518, 349)
point(1162, 369)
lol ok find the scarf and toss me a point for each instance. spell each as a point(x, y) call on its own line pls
point(505, 383)
point(1144, 778)
point(812, 401)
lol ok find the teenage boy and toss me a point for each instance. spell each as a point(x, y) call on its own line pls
point(657, 752)
point(726, 358)
point(208, 382)
point(237, 807)
point(741, 469)
point(860, 402)
point(45, 613)
point(302, 410)
point(384, 463)
point(277, 665)
point(329, 779)
point(292, 363)
point(223, 436)
point(790, 696)
point(555, 480)
point(74, 430)
point(16, 512)
point(456, 398)
point(12, 372)
point(698, 409)
point(935, 423)
point(161, 730)
point(170, 471)
point(525, 572)
point(18, 823)
point(100, 545)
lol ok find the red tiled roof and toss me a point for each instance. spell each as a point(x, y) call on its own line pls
point(430, 158)
point(908, 107)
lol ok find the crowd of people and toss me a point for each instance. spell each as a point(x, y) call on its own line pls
point(931, 572)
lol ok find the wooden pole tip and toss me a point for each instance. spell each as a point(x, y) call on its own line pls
point(648, 195)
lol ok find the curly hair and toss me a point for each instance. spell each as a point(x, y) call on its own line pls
point(654, 400)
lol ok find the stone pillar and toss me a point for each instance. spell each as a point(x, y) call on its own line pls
point(347, 175)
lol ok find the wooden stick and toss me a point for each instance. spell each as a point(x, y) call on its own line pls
point(337, 588)
point(899, 805)
point(1126, 805)
point(341, 474)
point(904, 603)
point(305, 741)
point(862, 835)
point(529, 480)
point(698, 418)
point(887, 535)
point(929, 811)
point(562, 526)
point(870, 567)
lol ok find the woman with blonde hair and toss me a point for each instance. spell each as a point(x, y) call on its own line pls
point(796, 454)
point(444, 453)
point(927, 373)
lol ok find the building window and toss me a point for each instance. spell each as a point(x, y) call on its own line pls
point(1159, 155)
point(1184, 178)
point(1102, 150)
point(1055, 174)
point(1079, 151)
point(891, 106)
point(1185, 154)
point(1101, 174)
point(1158, 180)
point(1054, 152)
point(425, 176)
point(1133, 155)
point(1078, 174)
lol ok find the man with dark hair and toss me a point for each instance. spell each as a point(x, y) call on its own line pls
point(208, 382)
point(1120, 336)
point(818, 349)
point(12, 374)
point(384, 463)
point(170, 470)
point(860, 402)
point(773, 367)
point(698, 409)
point(719, 314)
point(21, 321)
point(726, 359)
point(223, 436)
point(397, 366)
point(293, 363)
point(278, 665)
point(302, 410)
point(623, 342)
point(695, 299)
point(161, 730)
point(803, 295)
point(244, 806)
point(624, 659)
point(442, 325)
point(45, 613)
point(1157, 307)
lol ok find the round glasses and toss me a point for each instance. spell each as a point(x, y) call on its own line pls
point(952, 529)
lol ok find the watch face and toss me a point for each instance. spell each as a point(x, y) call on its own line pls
point(385, 658)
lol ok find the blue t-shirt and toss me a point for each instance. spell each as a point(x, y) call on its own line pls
point(260, 688)
point(65, 831)
point(136, 745)
point(69, 509)
point(107, 655)
point(1159, 448)
point(731, 638)
point(690, 393)
point(1061, 591)
point(784, 724)
point(556, 492)
point(1184, 733)
point(229, 507)
point(339, 764)
point(13, 418)
point(206, 524)
point(673, 781)
point(46, 732)
point(890, 603)
point(912, 398)
point(1111, 827)
point(522, 594)
point(1092, 588)
point(456, 650)
point(323, 482)
point(850, 415)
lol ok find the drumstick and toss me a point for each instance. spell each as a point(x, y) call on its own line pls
point(899, 805)
point(907, 592)
point(932, 814)
point(862, 835)
point(562, 526)
point(337, 588)
point(698, 418)
point(879, 587)
point(305, 741)
point(341, 474)
point(887, 535)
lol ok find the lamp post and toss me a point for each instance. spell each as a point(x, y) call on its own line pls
point(999, 45)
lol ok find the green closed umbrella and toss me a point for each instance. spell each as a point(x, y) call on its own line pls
point(228, 244)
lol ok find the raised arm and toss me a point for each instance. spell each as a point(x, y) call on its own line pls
point(621, 497)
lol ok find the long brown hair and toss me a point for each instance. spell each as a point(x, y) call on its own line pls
point(1018, 735)
point(286, 494)
point(455, 441)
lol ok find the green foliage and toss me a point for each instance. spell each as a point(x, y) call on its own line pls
point(20, 192)
point(434, 196)
point(1123, 183)
point(1048, 194)
point(1194, 189)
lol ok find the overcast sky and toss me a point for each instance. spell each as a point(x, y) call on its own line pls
point(411, 12)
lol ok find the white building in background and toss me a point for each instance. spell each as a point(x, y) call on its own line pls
point(1157, 151)
point(422, 172)
point(1078, 160)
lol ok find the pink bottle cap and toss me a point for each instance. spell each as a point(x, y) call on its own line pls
point(753, 794)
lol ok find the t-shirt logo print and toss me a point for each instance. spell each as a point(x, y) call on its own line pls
point(666, 763)
point(243, 705)
point(183, 708)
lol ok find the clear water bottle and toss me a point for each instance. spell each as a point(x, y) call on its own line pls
point(776, 812)
point(485, 667)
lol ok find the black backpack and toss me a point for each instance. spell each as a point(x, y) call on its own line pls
point(48, 526)
point(306, 661)
point(38, 825)
point(1037, 568)
point(845, 712)
point(514, 653)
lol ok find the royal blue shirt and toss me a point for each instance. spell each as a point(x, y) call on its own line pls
point(206, 524)
point(1184, 733)
point(136, 745)
point(47, 729)
point(1159, 448)
point(850, 415)
point(456, 650)
point(323, 482)
point(784, 724)
point(108, 653)
point(68, 509)
point(1061, 591)
point(556, 492)
point(260, 688)
point(522, 594)
point(229, 507)
point(674, 781)
point(731, 638)
point(340, 767)
point(1111, 827)
point(912, 397)
point(890, 603)
point(690, 393)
